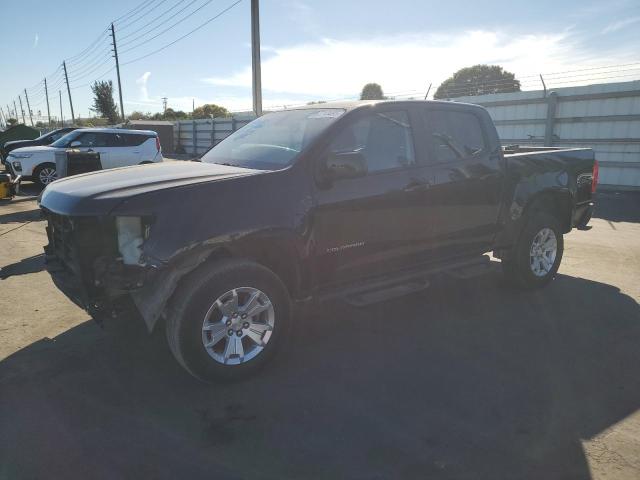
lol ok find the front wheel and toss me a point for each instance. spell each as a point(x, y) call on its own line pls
point(227, 320)
point(44, 174)
point(537, 255)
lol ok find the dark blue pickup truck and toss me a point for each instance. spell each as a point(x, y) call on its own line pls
point(361, 201)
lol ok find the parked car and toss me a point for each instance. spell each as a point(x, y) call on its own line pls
point(46, 139)
point(362, 202)
point(117, 148)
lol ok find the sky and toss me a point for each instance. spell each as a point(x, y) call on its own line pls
point(311, 49)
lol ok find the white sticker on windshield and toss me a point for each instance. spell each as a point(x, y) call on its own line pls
point(327, 113)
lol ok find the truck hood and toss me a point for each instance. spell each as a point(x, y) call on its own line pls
point(98, 193)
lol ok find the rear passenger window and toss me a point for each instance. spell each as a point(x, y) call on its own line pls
point(454, 135)
point(133, 139)
point(384, 138)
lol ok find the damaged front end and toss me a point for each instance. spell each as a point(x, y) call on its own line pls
point(97, 261)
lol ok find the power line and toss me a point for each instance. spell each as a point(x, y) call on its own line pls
point(186, 34)
point(132, 11)
point(156, 18)
point(166, 29)
point(126, 25)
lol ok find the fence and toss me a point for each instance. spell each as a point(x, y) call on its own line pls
point(197, 136)
point(605, 117)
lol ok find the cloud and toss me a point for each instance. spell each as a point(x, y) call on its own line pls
point(36, 40)
point(233, 103)
point(333, 68)
point(142, 82)
point(619, 25)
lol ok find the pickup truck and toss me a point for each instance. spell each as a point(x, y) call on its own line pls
point(355, 201)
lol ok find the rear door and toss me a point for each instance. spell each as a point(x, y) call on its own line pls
point(456, 190)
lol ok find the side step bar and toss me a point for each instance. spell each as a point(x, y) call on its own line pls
point(405, 283)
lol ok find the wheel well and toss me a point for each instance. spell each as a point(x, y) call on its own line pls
point(557, 204)
point(273, 259)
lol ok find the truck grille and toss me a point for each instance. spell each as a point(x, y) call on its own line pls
point(61, 242)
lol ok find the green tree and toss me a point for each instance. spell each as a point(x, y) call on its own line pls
point(478, 80)
point(103, 100)
point(209, 110)
point(12, 121)
point(171, 114)
point(372, 91)
point(136, 115)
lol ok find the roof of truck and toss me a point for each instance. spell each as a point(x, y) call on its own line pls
point(116, 130)
point(353, 104)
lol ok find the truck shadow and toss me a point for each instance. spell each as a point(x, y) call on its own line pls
point(26, 265)
point(463, 381)
point(618, 206)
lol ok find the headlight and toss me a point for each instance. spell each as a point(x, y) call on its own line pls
point(131, 235)
point(21, 155)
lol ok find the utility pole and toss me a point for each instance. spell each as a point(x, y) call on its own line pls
point(255, 58)
point(66, 78)
point(164, 104)
point(15, 111)
point(28, 107)
point(9, 110)
point(3, 118)
point(115, 54)
point(46, 94)
point(61, 117)
point(22, 110)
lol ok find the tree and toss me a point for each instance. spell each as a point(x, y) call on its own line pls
point(171, 114)
point(136, 115)
point(209, 110)
point(103, 100)
point(12, 121)
point(478, 80)
point(372, 91)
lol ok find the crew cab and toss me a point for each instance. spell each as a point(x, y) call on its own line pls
point(117, 148)
point(46, 139)
point(358, 201)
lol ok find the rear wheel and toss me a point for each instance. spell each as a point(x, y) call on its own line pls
point(537, 255)
point(44, 174)
point(227, 321)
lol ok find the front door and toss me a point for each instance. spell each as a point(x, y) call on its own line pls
point(359, 224)
point(96, 142)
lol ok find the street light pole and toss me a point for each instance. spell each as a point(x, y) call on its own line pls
point(61, 117)
point(66, 78)
point(115, 54)
point(255, 58)
point(46, 94)
point(28, 107)
point(22, 110)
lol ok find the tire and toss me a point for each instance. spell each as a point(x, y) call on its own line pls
point(202, 313)
point(532, 266)
point(40, 176)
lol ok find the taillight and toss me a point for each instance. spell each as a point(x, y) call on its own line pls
point(158, 144)
point(594, 176)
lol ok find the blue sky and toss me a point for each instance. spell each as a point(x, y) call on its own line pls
point(310, 49)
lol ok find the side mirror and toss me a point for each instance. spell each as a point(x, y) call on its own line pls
point(346, 165)
point(75, 143)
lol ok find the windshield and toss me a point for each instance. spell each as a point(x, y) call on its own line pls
point(272, 141)
point(65, 140)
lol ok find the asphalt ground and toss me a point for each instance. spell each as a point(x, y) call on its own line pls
point(468, 380)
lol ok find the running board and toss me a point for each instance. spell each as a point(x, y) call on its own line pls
point(369, 297)
point(471, 270)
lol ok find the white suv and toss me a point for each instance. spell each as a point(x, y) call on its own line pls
point(117, 148)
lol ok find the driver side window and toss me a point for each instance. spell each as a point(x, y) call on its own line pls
point(383, 138)
point(91, 139)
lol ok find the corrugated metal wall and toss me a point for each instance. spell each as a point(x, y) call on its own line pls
point(206, 132)
point(605, 117)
